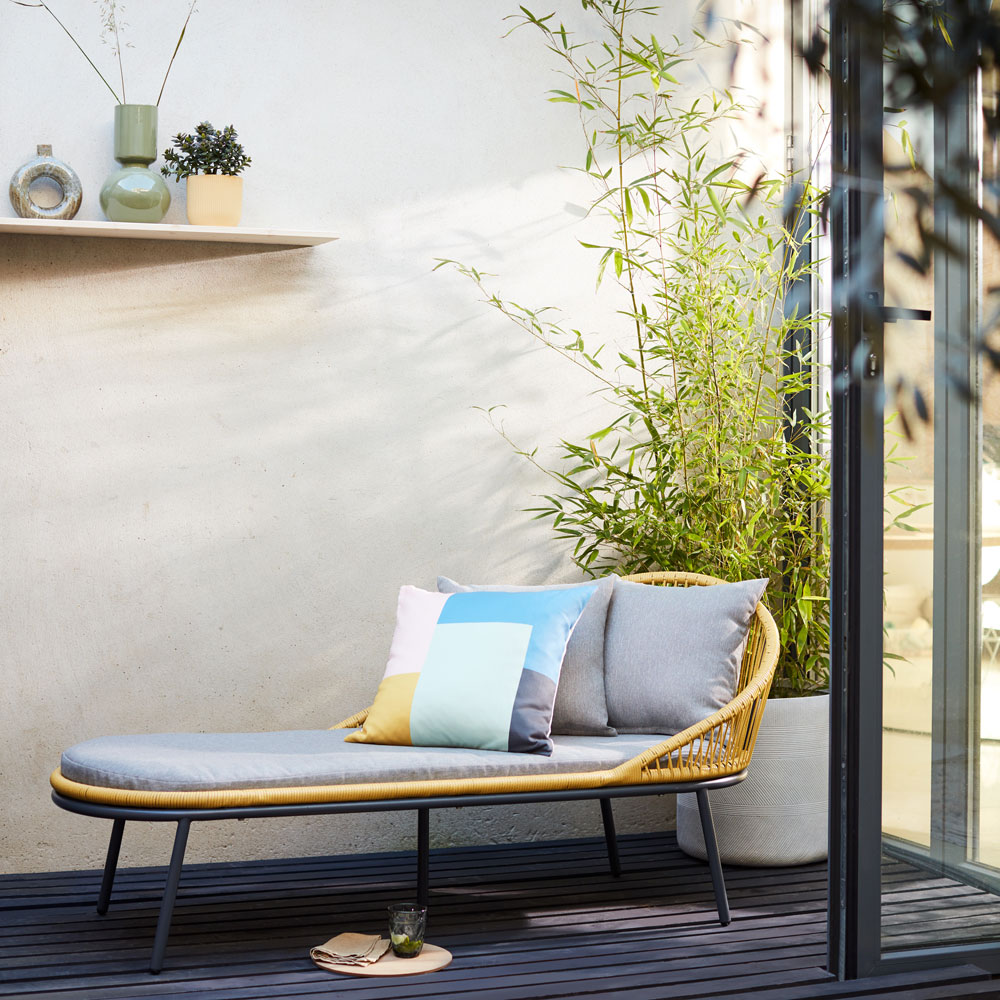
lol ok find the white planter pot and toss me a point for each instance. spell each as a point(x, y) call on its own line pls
point(778, 814)
point(214, 199)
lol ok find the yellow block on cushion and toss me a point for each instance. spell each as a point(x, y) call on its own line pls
point(389, 717)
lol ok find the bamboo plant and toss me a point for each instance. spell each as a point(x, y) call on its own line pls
point(700, 467)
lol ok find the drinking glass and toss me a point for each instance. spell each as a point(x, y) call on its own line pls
point(407, 922)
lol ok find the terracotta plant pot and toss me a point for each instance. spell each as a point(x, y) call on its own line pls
point(214, 199)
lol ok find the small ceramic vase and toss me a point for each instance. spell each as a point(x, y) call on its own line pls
point(135, 193)
point(45, 165)
point(214, 199)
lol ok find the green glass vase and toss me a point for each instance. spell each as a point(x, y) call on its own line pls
point(135, 193)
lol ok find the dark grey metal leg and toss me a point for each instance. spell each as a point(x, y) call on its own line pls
point(714, 863)
point(423, 855)
point(614, 860)
point(110, 866)
point(169, 895)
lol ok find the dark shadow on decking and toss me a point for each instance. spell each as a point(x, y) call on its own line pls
point(525, 921)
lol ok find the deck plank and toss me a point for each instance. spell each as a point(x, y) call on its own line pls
point(535, 921)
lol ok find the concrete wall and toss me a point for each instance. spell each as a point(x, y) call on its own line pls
point(220, 463)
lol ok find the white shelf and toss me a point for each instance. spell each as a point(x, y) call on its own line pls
point(160, 231)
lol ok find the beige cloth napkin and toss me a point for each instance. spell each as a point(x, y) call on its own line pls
point(349, 949)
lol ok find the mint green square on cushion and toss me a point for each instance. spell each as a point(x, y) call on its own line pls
point(468, 684)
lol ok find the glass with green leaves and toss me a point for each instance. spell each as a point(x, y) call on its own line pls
point(705, 464)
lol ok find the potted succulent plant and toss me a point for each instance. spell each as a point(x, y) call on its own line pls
point(211, 161)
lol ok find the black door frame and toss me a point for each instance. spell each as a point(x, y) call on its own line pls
point(857, 235)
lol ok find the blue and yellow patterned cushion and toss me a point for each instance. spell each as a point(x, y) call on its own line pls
point(477, 670)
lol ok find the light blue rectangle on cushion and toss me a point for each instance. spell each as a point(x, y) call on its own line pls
point(553, 613)
point(552, 629)
point(468, 684)
point(527, 607)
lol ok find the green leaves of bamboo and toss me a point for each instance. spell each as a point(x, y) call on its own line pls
point(696, 469)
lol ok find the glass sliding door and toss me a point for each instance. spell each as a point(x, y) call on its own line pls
point(908, 504)
point(915, 847)
point(941, 782)
point(986, 803)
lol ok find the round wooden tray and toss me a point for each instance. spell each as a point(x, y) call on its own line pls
point(430, 959)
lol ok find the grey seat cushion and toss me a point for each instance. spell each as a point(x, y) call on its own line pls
point(205, 761)
point(581, 708)
point(672, 654)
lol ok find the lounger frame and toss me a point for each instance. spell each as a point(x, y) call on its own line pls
point(713, 754)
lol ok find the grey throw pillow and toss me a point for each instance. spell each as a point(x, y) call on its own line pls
point(672, 654)
point(581, 708)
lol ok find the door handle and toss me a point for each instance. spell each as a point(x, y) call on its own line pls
point(891, 314)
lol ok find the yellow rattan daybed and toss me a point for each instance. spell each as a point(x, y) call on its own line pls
point(714, 753)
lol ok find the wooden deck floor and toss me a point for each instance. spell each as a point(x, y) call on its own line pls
point(525, 921)
point(921, 909)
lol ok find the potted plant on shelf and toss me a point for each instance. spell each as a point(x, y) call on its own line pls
point(703, 464)
point(212, 162)
point(133, 193)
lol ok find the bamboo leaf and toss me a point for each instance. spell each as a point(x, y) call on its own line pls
point(716, 204)
point(718, 170)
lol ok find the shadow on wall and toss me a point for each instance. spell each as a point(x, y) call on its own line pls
point(223, 463)
point(220, 472)
point(78, 256)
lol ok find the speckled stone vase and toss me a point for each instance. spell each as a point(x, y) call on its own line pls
point(45, 165)
point(135, 193)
